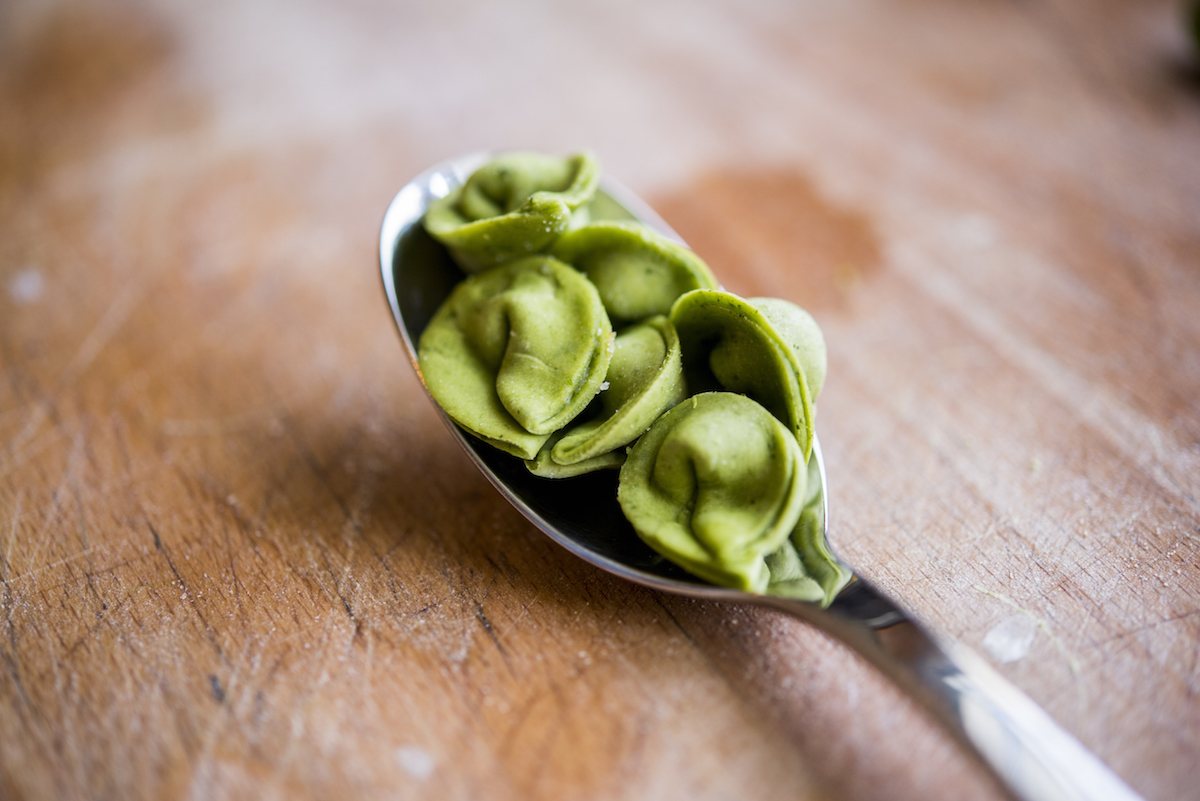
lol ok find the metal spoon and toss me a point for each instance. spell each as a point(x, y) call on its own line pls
point(1023, 746)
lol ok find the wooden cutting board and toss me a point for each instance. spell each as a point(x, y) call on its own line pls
point(241, 558)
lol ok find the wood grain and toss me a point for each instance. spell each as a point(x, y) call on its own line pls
point(240, 558)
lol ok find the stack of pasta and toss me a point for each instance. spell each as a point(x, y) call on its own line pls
point(580, 344)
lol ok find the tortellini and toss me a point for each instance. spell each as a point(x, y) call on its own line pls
point(515, 353)
point(580, 346)
point(716, 485)
point(638, 272)
point(645, 378)
point(516, 205)
point(804, 567)
point(731, 343)
point(545, 467)
point(799, 331)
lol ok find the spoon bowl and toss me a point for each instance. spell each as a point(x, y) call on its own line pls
point(1023, 747)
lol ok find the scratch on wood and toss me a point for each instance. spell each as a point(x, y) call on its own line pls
point(337, 589)
point(40, 538)
point(110, 322)
point(90, 631)
point(491, 632)
point(26, 451)
point(1165, 621)
point(10, 659)
point(80, 512)
point(12, 537)
point(31, 573)
point(191, 597)
point(1063, 651)
point(229, 553)
point(27, 432)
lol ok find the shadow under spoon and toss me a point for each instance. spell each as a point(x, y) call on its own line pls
point(1032, 756)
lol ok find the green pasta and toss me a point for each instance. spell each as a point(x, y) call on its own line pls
point(716, 485)
point(704, 400)
point(729, 343)
point(495, 357)
point(644, 379)
point(543, 466)
point(639, 273)
point(804, 567)
point(515, 205)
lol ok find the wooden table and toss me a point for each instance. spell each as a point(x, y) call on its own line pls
point(241, 558)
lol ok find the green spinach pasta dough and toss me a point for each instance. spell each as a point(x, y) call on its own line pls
point(716, 485)
point(544, 466)
point(799, 333)
point(515, 205)
point(516, 352)
point(645, 378)
point(702, 399)
point(731, 343)
point(804, 567)
point(639, 273)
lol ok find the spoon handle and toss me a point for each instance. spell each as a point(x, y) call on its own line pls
point(1023, 746)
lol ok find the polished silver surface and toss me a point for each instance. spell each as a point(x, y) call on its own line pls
point(1034, 758)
